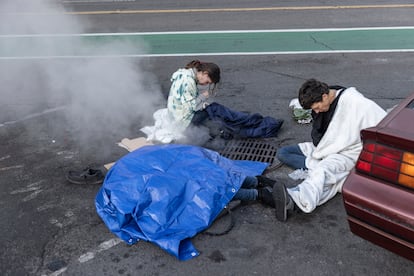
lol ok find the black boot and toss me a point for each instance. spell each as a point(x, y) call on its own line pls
point(265, 195)
point(263, 181)
point(283, 202)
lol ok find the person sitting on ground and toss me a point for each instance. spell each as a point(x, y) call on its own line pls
point(339, 114)
point(187, 107)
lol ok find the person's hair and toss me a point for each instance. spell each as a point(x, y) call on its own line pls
point(212, 69)
point(311, 92)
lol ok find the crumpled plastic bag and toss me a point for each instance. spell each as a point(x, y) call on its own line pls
point(165, 129)
point(300, 115)
point(298, 174)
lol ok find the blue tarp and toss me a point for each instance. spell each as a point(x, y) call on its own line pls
point(166, 194)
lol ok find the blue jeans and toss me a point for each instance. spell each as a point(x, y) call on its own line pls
point(247, 190)
point(292, 156)
point(199, 117)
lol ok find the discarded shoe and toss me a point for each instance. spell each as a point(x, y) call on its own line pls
point(265, 195)
point(282, 200)
point(263, 181)
point(87, 176)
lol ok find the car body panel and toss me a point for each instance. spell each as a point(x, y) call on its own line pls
point(380, 211)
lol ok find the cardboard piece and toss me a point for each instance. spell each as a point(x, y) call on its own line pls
point(131, 145)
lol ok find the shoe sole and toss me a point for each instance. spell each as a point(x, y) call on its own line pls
point(280, 198)
point(85, 182)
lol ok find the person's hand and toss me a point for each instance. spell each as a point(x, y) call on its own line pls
point(205, 94)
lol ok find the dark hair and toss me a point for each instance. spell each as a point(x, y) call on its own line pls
point(212, 69)
point(311, 92)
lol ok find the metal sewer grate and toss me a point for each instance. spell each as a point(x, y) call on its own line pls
point(253, 150)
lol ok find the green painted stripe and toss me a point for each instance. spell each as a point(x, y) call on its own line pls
point(208, 43)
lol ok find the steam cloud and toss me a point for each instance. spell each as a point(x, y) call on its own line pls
point(102, 97)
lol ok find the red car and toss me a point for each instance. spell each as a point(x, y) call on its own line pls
point(379, 192)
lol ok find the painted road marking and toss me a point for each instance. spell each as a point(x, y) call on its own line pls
point(11, 168)
point(34, 189)
point(91, 254)
point(244, 42)
point(33, 115)
point(103, 246)
point(196, 10)
point(4, 157)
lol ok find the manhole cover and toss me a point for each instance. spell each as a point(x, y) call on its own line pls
point(253, 150)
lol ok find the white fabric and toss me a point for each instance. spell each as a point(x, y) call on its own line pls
point(298, 174)
point(331, 161)
point(294, 103)
point(165, 128)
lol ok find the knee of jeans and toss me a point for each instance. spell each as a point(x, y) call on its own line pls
point(250, 182)
point(281, 154)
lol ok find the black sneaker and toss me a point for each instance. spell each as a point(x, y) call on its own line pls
point(265, 195)
point(282, 200)
point(263, 181)
point(87, 176)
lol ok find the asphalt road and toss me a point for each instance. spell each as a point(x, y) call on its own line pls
point(59, 114)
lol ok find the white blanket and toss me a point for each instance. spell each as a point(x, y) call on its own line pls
point(331, 161)
point(165, 128)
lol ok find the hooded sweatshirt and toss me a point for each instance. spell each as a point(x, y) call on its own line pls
point(184, 99)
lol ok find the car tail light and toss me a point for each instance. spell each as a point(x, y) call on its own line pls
point(387, 163)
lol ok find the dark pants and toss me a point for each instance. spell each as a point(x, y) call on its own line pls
point(199, 117)
point(292, 156)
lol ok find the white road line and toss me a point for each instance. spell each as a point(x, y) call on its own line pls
point(34, 188)
point(91, 254)
point(215, 32)
point(11, 168)
point(34, 115)
point(58, 272)
point(4, 157)
point(103, 246)
point(208, 54)
point(32, 195)
point(25, 190)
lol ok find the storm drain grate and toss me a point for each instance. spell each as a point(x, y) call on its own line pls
point(253, 150)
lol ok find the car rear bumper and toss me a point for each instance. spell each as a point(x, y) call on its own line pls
point(381, 238)
point(380, 213)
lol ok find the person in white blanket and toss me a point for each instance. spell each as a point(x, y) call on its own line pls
point(339, 114)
